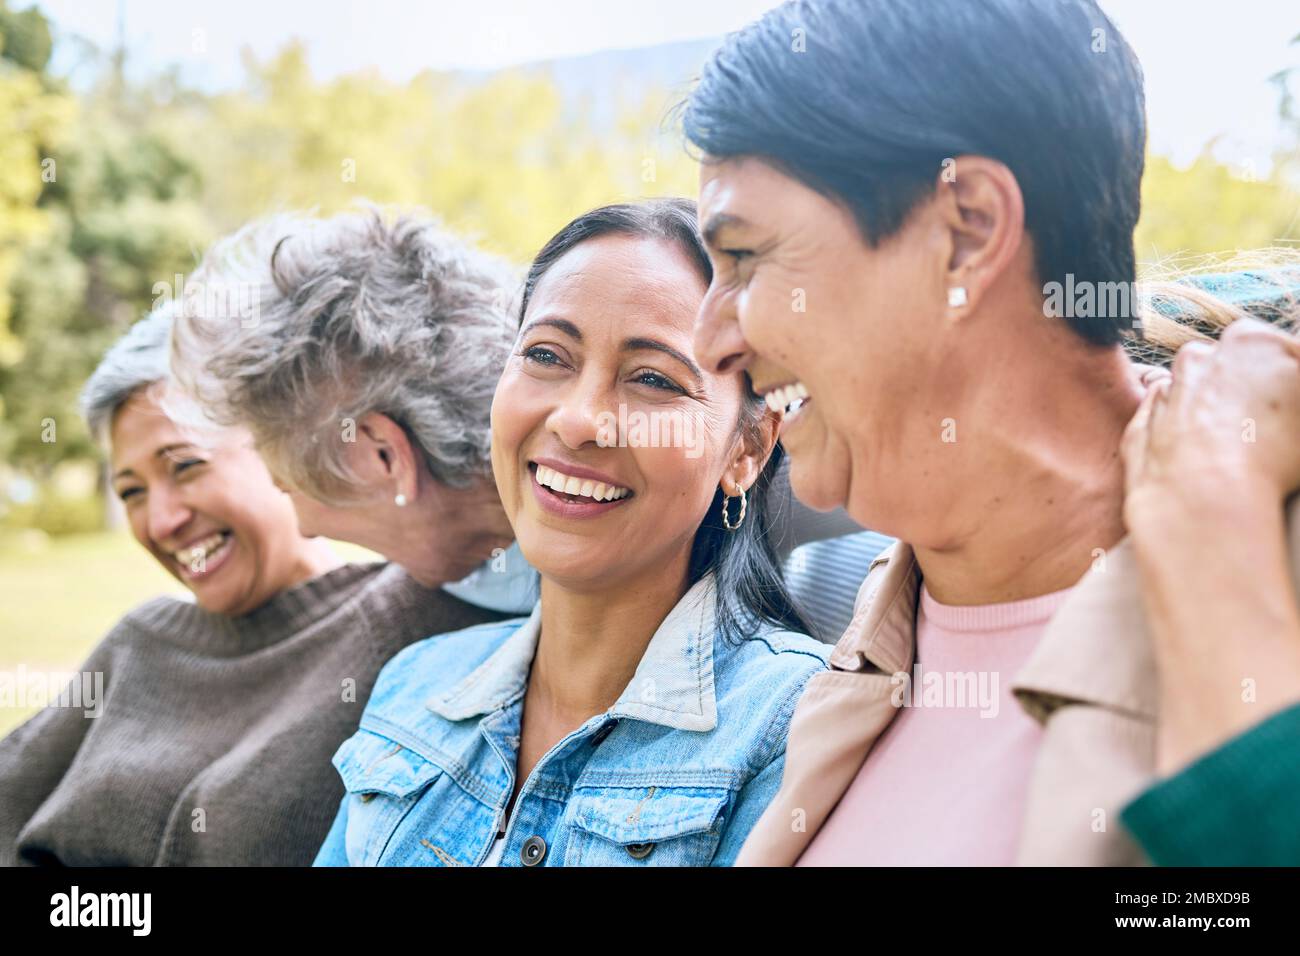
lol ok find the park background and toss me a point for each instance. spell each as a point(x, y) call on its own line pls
point(134, 133)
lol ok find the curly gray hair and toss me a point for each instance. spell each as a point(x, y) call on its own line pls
point(297, 327)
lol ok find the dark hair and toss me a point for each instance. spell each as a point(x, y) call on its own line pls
point(751, 589)
point(886, 90)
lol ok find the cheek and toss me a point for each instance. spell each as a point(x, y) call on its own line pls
point(766, 310)
point(684, 477)
point(681, 490)
point(517, 411)
point(243, 499)
point(138, 520)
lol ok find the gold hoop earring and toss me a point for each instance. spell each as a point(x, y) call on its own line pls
point(726, 517)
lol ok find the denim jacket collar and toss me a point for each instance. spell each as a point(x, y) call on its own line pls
point(673, 684)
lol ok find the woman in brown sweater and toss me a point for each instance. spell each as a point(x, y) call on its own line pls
point(207, 731)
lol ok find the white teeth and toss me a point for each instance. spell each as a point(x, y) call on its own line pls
point(781, 399)
point(199, 552)
point(597, 490)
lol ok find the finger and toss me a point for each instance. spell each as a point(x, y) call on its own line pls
point(1246, 327)
point(1191, 365)
point(1135, 443)
point(1252, 332)
point(1192, 356)
point(1154, 374)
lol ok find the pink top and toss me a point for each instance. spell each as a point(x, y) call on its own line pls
point(945, 784)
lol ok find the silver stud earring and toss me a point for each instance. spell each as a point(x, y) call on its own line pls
point(957, 296)
point(400, 500)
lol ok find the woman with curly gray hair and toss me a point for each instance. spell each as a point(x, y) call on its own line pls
point(362, 351)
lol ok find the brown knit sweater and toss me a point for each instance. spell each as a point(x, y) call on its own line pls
point(214, 744)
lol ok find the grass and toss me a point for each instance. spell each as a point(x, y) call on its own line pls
point(59, 596)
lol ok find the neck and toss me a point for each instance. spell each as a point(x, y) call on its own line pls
point(445, 533)
point(1042, 448)
point(592, 641)
point(314, 558)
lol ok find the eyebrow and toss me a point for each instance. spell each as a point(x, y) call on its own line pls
point(636, 345)
point(564, 325)
point(629, 345)
point(717, 223)
point(158, 454)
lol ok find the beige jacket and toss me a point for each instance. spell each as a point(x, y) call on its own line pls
point(1091, 683)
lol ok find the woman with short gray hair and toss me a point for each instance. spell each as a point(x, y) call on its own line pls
point(196, 703)
point(362, 351)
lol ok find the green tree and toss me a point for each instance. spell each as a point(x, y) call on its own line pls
point(118, 213)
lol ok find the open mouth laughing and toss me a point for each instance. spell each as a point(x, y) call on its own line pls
point(787, 400)
point(202, 557)
point(573, 491)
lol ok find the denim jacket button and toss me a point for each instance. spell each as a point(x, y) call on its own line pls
point(639, 851)
point(599, 736)
point(533, 851)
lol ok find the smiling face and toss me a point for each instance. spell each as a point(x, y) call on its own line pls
point(809, 310)
point(210, 515)
point(608, 441)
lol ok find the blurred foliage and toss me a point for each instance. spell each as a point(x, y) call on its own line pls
point(503, 159)
point(34, 113)
point(109, 193)
point(1210, 208)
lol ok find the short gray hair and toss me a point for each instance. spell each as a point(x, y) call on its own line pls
point(136, 361)
point(354, 314)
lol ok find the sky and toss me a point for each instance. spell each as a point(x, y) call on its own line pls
point(1206, 61)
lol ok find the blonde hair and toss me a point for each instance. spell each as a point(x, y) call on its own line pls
point(1195, 299)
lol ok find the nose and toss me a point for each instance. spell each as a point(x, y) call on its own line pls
point(719, 344)
point(167, 513)
point(579, 416)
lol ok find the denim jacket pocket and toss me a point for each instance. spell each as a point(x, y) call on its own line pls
point(646, 826)
point(383, 779)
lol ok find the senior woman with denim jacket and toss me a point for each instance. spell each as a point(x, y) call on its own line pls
point(361, 351)
point(638, 716)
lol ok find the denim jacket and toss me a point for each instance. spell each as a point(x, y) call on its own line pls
point(675, 773)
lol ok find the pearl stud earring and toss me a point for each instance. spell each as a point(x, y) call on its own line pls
point(400, 500)
point(957, 296)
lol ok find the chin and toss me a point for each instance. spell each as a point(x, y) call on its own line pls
point(809, 483)
point(230, 596)
point(574, 570)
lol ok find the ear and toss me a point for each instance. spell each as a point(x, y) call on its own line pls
point(984, 212)
point(749, 459)
point(383, 457)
